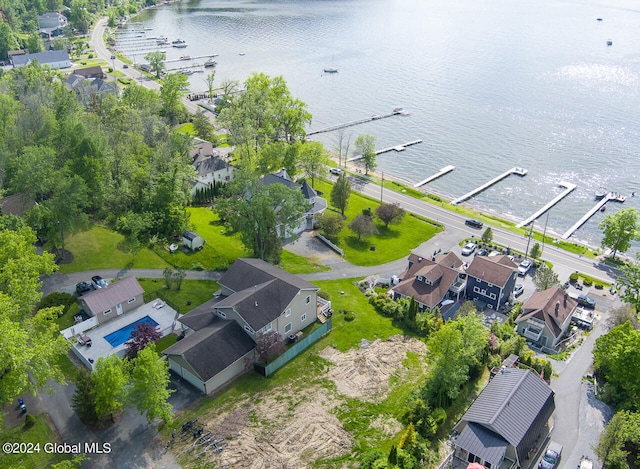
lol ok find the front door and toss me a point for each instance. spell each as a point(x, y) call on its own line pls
point(119, 309)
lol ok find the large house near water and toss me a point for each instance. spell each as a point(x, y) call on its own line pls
point(491, 280)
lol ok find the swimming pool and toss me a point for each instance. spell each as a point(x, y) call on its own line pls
point(120, 336)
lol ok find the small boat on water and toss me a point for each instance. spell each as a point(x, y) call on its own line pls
point(186, 72)
point(330, 70)
point(609, 42)
point(603, 208)
point(600, 193)
point(241, 53)
point(185, 57)
point(182, 45)
point(210, 63)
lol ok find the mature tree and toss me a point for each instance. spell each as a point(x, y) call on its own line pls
point(340, 193)
point(33, 173)
point(363, 225)
point(178, 277)
point(536, 251)
point(612, 354)
point(390, 214)
point(619, 229)
point(313, 160)
point(83, 399)
point(278, 155)
point(135, 228)
point(173, 87)
point(268, 345)
point(8, 40)
point(622, 314)
point(157, 61)
point(203, 127)
point(150, 385)
point(209, 79)
point(329, 224)
point(620, 437)
point(343, 142)
point(487, 235)
point(111, 378)
point(365, 146)
point(142, 335)
point(629, 284)
point(34, 43)
point(545, 278)
point(79, 15)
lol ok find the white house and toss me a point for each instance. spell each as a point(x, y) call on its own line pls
point(52, 58)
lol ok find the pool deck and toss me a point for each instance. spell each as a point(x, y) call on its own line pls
point(101, 348)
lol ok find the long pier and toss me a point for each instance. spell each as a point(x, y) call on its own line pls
point(517, 171)
point(568, 188)
point(402, 147)
point(395, 112)
point(610, 196)
point(433, 177)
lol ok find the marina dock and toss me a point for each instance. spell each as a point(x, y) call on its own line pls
point(517, 171)
point(611, 196)
point(395, 112)
point(442, 172)
point(402, 147)
point(569, 187)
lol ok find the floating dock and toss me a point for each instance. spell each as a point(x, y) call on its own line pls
point(517, 171)
point(568, 188)
point(442, 172)
point(375, 117)
point(610, 197)
point(402, 147)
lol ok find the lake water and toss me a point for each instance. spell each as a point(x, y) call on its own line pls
point(489, 85)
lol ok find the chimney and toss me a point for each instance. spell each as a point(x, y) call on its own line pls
point(565, 300)
point(256, 304)
point(419, 259)
point(557, 308)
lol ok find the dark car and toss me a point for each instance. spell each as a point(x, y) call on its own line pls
point(473, 223)
point(584, 300)
point(82, 288)
point(98, 282)
point(113, 57)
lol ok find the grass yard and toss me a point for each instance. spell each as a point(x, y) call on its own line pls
point(192, 294)
point(391, 243)
point(98, 248)
point(38, 434)
point(187, 129)
point(295, 264)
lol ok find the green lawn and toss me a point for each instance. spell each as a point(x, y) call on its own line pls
point(192, 293)
point(391, 243)
point(295, 264)
point(187, 129)
point(97, 248)
point(38, 434)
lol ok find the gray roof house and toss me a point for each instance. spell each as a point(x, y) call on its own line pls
point(317, 203)
point(210, 164)
point(491, 280)
point(89, 89)
point(255, 298)
point(546, 316)
point(52, 58)
point(113, 300)
point(51, 23)
point(506, 421)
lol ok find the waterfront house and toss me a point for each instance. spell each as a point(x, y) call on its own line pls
point(491, 280)
point(51, 58)
point(51, 24)
point(113, 300)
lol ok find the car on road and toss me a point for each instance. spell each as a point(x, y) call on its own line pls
point(82, 288)
point(336, 171)
point(551, 457)
point(518, 290)
point(125, 66)
point(482, 252)
point(98, 282)
point(113, 57)
point(584, 300)
point(524, 267)
point(473, 223)
point(468, 249)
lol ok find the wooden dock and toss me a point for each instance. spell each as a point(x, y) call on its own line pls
point(611, 196)
point(402, 147)
point(395, 112)
point(568, 188)
point(442, 172)
point(517, 171)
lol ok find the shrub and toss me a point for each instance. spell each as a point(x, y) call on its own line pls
point(29, 421)
point(573, 278)
point(599, 286)
point(197, 266)
point(90, 56)
point(110, 69)
point(434, 197)
point(324, 295)
point(57, 299)
point(349, 316)
point(587, 282)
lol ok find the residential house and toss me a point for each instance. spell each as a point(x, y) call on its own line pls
point(90, 72)
point(255, 298)
point(491, 280)
point(51, 58)
point(192, 240)
point(546, 316)
point(438, 281)
point(316, 203)
point(210, 165)
point(51, 24)
point(113, 300)
point(506, 422)
point(88, 89)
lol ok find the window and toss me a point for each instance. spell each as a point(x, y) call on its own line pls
point(287, 328)
point(249, 330)
point(266, 328)
point(308, 299)
point(222, 315)
point(492, 296)
point(287, 313)
point(107, 311)
point(131, 300)
point(303, 317)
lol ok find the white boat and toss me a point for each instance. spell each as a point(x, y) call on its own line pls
point(210, 63)
point(185, 57)
point(330, 70)
point(180, 45)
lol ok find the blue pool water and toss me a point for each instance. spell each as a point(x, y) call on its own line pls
point(122, 335)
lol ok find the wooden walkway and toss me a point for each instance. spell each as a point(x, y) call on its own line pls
point(569, 187)
point(442, 172)
point(517, 171)
point(609, 197)
point(395, 112)
point(402, 147)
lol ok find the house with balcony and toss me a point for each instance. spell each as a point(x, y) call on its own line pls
point(545, 317)
point(437, 281)
point(491, 280)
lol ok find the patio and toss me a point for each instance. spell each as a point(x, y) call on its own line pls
point(164, 316)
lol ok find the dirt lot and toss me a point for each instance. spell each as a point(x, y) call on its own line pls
point(280, 429)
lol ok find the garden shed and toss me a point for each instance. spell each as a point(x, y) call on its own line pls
point(192, 240)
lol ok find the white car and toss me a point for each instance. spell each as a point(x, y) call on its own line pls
point(336, 171)
point(524, 267)
point(468, 249)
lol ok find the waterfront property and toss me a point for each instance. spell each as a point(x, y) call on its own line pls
point(52, 58)
point(491, 280)
point(210, 165)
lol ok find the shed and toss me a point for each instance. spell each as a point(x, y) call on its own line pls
point(192, 240)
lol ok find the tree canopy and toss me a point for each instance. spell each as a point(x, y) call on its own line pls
point(545, 278)
point(365, 145)
point(629, 284)
point(619, 229)
point(340, 193)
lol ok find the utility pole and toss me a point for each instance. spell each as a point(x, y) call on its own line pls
point(526, 253)
point(544, 233)
point(381, 187)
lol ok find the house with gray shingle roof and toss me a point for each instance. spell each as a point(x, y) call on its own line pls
point(546, 316)
point(113, 300)
point(52, 58)
point(491, 280)
point(507, 420)
point(211, 165)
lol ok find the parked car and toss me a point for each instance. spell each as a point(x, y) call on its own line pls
point(584, 300)
point(524, 267)
point(468, 249)
point(336, 171)
point(518, 290)
point(98, 282)
point(473, 223)
point(82, 288)
point(125, 66)
point(113, 57)
point(551, 457)
point(482, 252)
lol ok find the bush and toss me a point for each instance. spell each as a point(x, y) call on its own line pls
point(434, 197)
point(349, 315)
point(324, 295)
point(57, 299)
point(599, 286)
point(587, 282)
point(110, 69)
point(573, 278)
point(29, 421)
point(90, 56)
point(197, 266)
